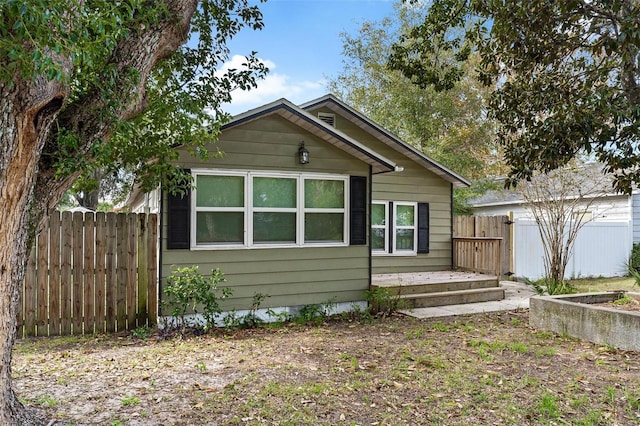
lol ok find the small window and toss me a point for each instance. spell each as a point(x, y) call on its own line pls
point(394, 228)
point(330, 119)
point(405, 228)
point(379, 234)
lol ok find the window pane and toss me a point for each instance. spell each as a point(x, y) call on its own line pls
point(323, 194)
point(404, 215)
point(217, 227)
point(404, 239)
point(274, 192)
point(219, 191)
point(377, 239)
point(323, 227)
point(274, 227)
point(377, 214)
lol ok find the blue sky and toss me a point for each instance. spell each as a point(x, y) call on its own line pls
point(301, 45)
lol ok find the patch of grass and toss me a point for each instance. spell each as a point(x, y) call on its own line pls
point(519, 347)
point(545, 351)
point(440, 326)
point(548, 406)
point(592, 285)
point(130, 400)
point(46, 400)
point(415, 333)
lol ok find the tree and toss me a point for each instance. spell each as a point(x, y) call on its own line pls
point(451, 127)
point(560, 202)
point(111, 186)
point(84, 83)
point(565, 76)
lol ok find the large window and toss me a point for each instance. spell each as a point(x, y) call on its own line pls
point(253, 209)
point(394, 227)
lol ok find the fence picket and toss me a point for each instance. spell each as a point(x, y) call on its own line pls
point(54, 274)
point(100, 272)
point(132, 279)
point(121, 252)
point(111, 273)
point(42, 317)
point(77, 274)
point(89, 273)
point(65, 273)
point(30, 296)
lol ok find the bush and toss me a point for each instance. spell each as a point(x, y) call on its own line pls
point(190, 291)
point(634, 259)
point(383, 302)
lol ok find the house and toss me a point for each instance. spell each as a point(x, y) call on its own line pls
point(608, 205)
point(305, 205)
point(603, 244)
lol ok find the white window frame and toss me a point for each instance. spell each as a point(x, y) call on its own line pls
point(195, 209)
point(385, 250)
point(248, 210)
point(391, 228)
point(414, 227)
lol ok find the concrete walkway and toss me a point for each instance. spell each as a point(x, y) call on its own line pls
point(516, 297)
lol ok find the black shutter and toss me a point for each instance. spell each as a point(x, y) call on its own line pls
point(358, 211)
point(179, 220)
point(391, 226)
point(423, 227)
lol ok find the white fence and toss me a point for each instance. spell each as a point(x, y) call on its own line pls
point(600, 249)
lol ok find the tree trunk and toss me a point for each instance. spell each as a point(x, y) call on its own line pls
point(29, 185)
point(26, 114)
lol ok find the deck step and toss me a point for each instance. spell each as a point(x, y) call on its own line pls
point(440, 287)
point(457, 297)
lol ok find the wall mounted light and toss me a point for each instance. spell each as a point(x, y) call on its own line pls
point(303, 154)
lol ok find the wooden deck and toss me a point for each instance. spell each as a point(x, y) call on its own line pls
point(437, 277)
point(441, 288)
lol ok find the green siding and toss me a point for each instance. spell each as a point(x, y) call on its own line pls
point(290, 276)
point(415, 184)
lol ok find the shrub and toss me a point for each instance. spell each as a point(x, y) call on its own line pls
point(189, 290)
point(383, 302)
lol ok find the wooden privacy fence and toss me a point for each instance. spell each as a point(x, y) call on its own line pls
point(483, 244)
point(91, 273)
point(477, 254)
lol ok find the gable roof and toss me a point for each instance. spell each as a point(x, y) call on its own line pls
point(317, 127)
point(334, 104)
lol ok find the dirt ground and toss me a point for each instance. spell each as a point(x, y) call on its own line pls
point(473, 370)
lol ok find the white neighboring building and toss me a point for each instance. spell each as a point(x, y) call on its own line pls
point(613, 207)
point(603, 245)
